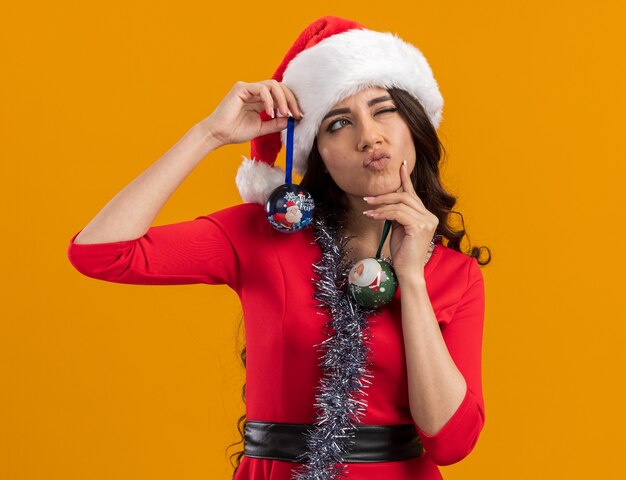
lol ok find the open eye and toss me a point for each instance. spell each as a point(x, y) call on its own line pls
point(330, 128)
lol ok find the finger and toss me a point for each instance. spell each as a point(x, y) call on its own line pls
point(407, 183)
point(292, 101)
point(405, 218)
point(396, 198)
point(409, 214)
point(255, 93)
point(266, 97)
point(273, 125)
point(405, 178)
point(279, 96)
point(403, 215)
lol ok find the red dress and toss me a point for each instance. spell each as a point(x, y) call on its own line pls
point(272, 274)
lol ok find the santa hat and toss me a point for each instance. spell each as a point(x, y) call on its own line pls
point(332, 59)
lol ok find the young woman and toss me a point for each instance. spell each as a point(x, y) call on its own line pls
point(396, 390)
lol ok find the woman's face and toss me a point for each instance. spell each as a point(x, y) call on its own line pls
point(368, 122)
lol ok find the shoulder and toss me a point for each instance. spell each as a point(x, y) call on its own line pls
point(244, 214)
point(244, 225)
point(458, 265)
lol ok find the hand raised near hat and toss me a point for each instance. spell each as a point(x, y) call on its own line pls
point(413, 227)
point(237, 118)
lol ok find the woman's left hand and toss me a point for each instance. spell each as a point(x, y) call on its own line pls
point(413, 227)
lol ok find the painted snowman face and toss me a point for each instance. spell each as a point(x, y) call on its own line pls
point(293, 215)
point(365, 272)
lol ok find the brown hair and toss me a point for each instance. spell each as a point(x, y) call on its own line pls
point(331, 201)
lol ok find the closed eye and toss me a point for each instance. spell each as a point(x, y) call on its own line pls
point(330, 128)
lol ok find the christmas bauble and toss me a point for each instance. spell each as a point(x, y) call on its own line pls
point(372, 282)
point(290, 208)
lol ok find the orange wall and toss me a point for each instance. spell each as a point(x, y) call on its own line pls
point(108, 381)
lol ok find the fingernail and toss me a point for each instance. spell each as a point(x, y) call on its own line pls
point(367, 199)
point(365, 212)
point(272, 113)
point(404, 163)
point(289, 113)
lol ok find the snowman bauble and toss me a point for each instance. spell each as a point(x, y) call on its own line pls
point(372, 281)
point(289, 207)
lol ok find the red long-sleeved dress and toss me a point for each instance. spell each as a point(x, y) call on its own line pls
point(272, 274)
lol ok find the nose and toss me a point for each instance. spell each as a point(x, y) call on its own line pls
point(369, 133)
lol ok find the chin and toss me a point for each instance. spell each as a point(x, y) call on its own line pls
point(384, 187)
point(387, 184)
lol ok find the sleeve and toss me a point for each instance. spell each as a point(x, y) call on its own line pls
point(463, 337)
point(196, 251)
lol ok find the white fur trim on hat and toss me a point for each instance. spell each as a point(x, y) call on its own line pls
point(256, 180)
point(346, 63)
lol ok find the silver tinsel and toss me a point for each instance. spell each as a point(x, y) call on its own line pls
point(341, 397)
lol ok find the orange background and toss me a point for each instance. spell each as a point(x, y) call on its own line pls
point(109, 381)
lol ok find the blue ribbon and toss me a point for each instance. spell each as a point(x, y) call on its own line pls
point(290, 128)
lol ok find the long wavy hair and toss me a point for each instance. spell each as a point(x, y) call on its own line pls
point(332, 202)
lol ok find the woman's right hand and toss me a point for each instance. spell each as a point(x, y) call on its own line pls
point(237, 118)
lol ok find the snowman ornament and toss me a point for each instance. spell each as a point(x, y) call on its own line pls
point(290, 207)
point(372, 281)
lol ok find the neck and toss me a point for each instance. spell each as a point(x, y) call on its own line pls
point(366, 230)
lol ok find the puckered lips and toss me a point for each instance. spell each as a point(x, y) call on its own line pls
point(377, 160)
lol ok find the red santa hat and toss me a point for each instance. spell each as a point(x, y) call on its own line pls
point(332, 59)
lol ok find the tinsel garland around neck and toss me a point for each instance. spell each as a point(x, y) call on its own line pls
point(340, 397)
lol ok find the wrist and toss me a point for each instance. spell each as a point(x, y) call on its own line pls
point(206, 132)
point(415, 280)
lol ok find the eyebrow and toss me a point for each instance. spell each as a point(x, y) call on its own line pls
point(347, 110)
